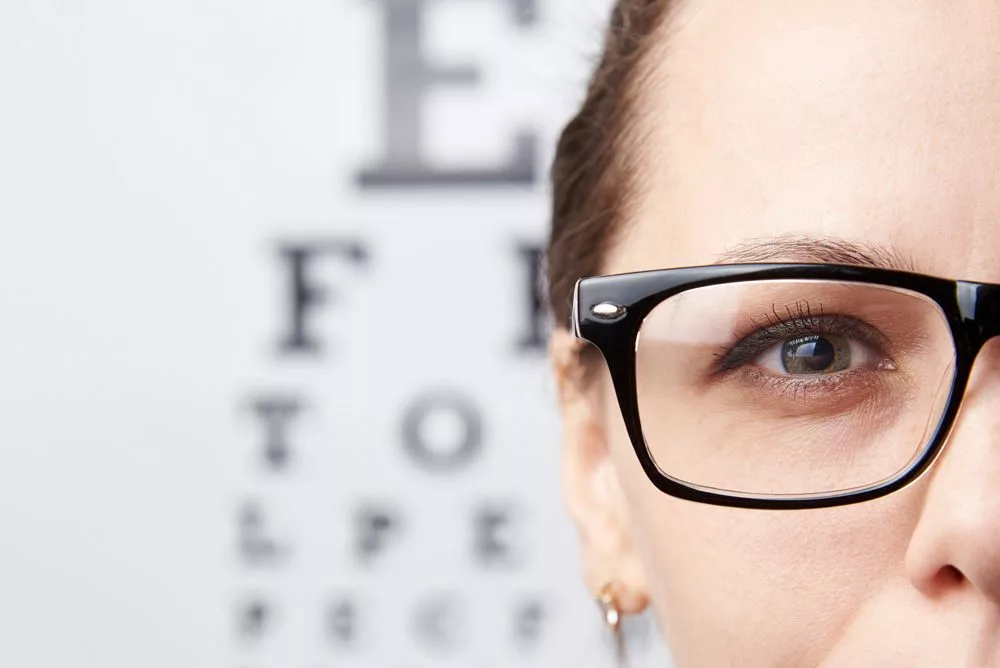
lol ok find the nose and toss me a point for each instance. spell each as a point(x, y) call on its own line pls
point(956, 541)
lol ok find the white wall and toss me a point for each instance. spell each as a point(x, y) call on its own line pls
point(161, 166)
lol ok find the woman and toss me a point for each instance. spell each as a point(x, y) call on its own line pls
point(791, 465)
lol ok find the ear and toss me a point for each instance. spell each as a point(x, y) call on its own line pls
point(591, 485)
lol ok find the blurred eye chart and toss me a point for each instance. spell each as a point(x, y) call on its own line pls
point(276, 393)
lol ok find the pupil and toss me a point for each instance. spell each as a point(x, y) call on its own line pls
point(816, 353)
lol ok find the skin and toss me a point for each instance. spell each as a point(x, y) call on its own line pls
point(871, 123)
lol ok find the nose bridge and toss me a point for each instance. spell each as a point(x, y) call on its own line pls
point(958, 529)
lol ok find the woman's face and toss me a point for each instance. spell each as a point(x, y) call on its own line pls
point(828, 124)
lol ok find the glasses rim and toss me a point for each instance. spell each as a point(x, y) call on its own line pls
point(608, 312)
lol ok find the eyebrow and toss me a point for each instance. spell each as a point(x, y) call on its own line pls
point(814, 249)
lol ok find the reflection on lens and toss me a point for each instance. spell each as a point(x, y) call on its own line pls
point(816, 353)
point(791, 387)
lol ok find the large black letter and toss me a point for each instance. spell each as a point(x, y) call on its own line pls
point(253, 618)
point(492, 541)
point(276, 413)
point(438, 622)
point(374, 528)
point(529, 617)
point(305, 295)
point(408, 76)
point(533, 339)
point(342, 622)
point(442, 454)
point(256, 545)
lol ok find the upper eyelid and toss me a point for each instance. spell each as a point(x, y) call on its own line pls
point(839, 323)
point(765, 334)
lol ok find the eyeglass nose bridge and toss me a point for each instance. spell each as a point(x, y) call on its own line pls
point(979, 305)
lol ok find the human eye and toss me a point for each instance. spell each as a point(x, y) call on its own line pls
point(801, 347)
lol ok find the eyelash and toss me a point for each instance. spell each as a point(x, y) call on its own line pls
point(801, 321)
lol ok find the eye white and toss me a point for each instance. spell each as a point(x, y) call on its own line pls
point(771, 359)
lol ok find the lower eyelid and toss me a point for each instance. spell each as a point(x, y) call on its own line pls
point(800, 384)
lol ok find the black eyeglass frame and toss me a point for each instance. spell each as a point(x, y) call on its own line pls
point(608, 312)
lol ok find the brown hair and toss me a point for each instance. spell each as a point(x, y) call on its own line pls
point(591, 173)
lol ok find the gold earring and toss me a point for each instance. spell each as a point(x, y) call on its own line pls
point(612, 615)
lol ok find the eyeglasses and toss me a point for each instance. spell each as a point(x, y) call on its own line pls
point(786, 385)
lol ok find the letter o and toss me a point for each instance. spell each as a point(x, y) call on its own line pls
point(433, 452)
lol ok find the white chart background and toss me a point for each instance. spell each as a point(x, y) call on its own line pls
point(162, 166)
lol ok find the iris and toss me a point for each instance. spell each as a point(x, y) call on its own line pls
point(816, 353)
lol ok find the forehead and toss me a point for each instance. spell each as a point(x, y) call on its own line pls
point(861, 121)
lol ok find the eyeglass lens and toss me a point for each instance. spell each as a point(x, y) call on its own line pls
point(792, 387)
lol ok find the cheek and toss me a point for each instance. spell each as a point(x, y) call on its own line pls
point(770, 587)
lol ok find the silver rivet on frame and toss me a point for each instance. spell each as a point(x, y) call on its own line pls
point(607, 310)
